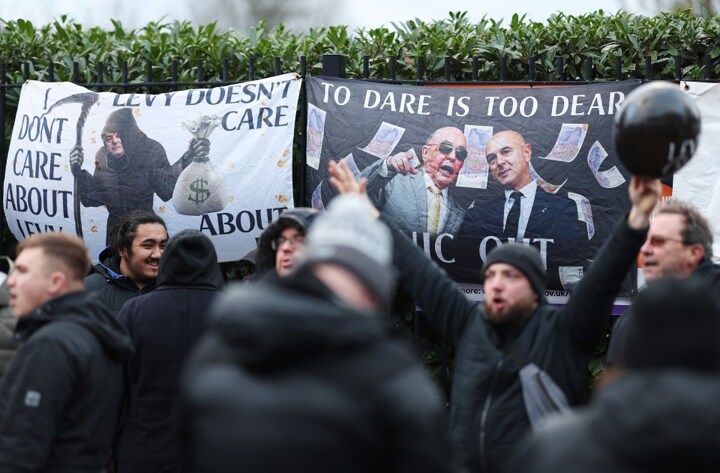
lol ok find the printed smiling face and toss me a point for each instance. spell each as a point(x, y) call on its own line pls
point(140, 261)
point(443, 156)
point(508, 157)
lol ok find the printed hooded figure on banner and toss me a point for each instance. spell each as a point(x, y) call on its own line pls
point(153, 152)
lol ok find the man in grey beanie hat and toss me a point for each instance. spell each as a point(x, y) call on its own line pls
point(300, 374)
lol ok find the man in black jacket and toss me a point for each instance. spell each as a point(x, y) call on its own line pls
point(678, 244)
point(299, 373)
point(60, 398)
point(130, 265)
point(488, 415)
point(662, 413)
point(164, 327)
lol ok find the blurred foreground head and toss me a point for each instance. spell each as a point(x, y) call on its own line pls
point(675, 324)
point(351, 252)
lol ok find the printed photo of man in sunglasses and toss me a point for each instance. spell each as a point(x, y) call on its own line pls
point(415, 190)
point(129, 169)
point(524, 210)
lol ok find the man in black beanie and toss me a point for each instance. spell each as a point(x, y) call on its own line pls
point(661, 413)
point(517, 329)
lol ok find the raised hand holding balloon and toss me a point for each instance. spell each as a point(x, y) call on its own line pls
point(201, 188)
point(657, 130)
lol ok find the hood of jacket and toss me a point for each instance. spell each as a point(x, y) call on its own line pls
point(189, 259)
point(123, 123)
point(287, 320)
point(661, 421)
point(109, 266)
point(81, 308)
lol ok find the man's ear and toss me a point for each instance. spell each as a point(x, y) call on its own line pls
point(57, 283)
point(527, 152)
point(697, 253)
point(122, 253)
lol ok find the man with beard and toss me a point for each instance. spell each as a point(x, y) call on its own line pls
point(517, 327)
point(129, 266)
point(129, 169)
point(282, 243)
point(419, 197)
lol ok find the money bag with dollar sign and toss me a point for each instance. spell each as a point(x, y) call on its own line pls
point(201, 188)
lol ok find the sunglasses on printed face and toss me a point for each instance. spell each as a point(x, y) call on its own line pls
point(445, 147)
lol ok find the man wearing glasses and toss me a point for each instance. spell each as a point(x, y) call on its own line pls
point(678, 245)
point(417, 192)
point(526, 210)
point(282, 243)
point(129, 169)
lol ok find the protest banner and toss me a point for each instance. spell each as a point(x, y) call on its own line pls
point(699, 181)
point(421, 145)
point(217, 160)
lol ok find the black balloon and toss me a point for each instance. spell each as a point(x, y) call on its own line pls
point(656, 131)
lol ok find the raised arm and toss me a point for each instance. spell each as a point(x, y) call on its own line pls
point(587, 313)
point(444, 306)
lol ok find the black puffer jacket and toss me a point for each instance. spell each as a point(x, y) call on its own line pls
point(112, 287)
point(650, 421)
point(164, 327)
point(60, 398)
point(291, 379)
point(488, 416)
point(706, 271)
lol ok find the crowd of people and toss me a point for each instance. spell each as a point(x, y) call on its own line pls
point(149, 362)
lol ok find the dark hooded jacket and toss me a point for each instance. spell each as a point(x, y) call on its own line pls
point(299, 218)
point(113, 288)
point(128, 183)
point(164, 326)
point(488, 416)
point(291, 379)
point(61, 395)
point(658, 421)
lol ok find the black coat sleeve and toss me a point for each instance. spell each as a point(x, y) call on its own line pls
point(40, 383)
point(445, 307)
point(586, 315)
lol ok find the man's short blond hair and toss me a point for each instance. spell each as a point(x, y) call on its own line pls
point(67, 250)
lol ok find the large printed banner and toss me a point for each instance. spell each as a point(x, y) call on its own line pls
point(699, 181)
point(463, 170)
point(216, 160)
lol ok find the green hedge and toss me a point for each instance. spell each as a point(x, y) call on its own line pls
point(597, 35)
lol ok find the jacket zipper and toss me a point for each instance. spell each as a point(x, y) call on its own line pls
point(484, 415)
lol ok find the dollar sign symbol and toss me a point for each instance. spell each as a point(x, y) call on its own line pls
point(201, 193)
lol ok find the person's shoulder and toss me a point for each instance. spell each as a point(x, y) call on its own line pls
point(95, 281)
